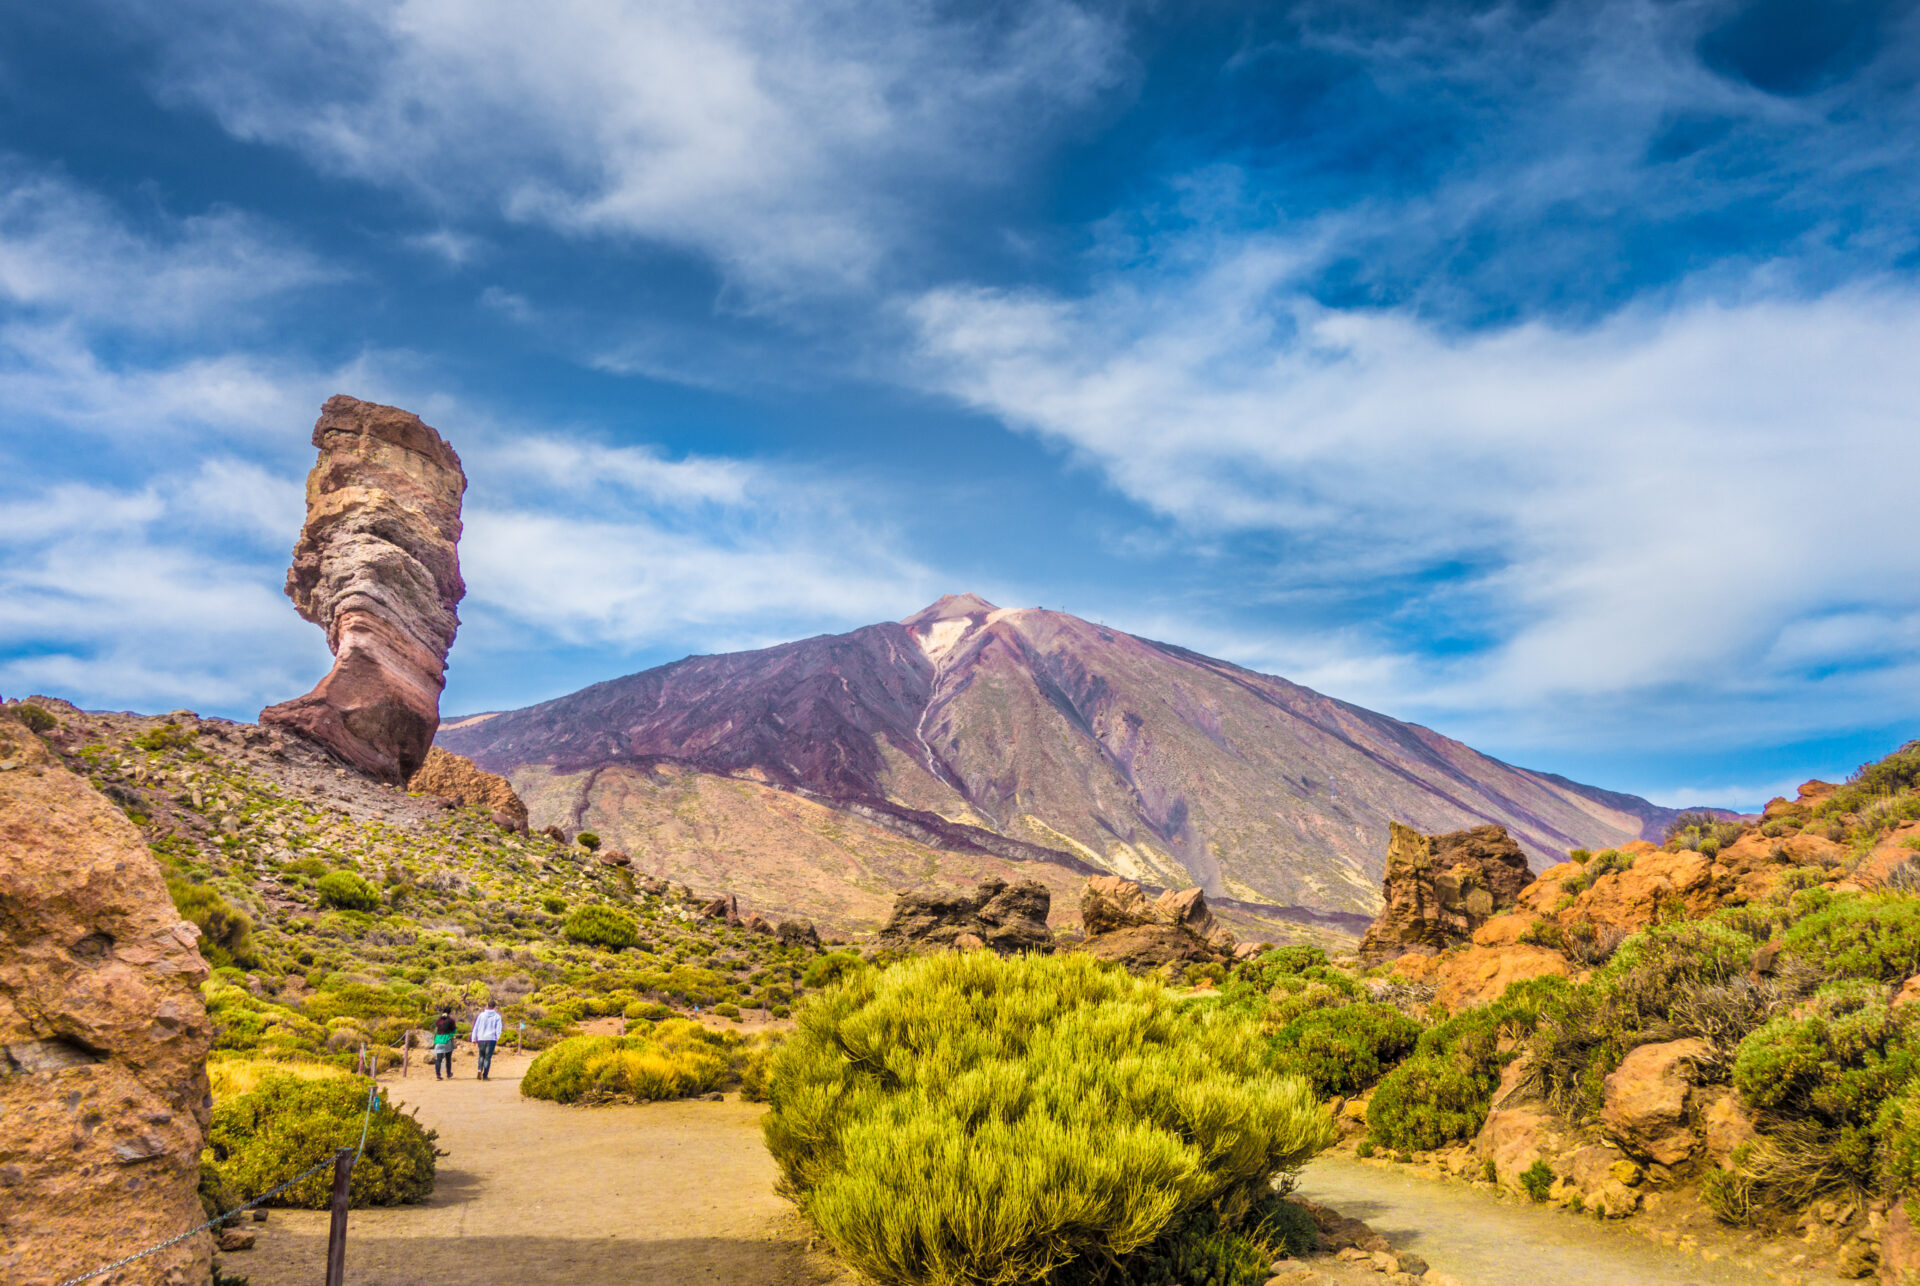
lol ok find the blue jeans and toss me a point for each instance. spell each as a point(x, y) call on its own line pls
point(486, 1056)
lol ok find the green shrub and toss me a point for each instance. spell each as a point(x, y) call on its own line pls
point(1207, 1249)
point(1836, 1066)
point(309, 866)
point(1536, 1180)
point(347, 891)
point(1606, 862)
point(601, 926)
point(1443, 1091)
point(726, 1009)
point(1088, 1111)
point(1860, 937)
point(36, 718)
point(1269, 967)
point(673, 1059)
point(753, 1066)
point(1344, 1050)
point(645, 1011)
point(167, 736)
point(1703, 832)
point(824, 971)
point(588, 840)
point(286, 1124)
point(226, 932)
point(553, 905)
point(1663, 983)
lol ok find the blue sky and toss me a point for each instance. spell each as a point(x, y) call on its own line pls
point(1541, 372)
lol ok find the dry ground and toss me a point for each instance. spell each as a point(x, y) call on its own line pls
point(535, 1194)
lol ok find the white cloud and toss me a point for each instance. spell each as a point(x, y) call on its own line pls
point(1698, 494)
point(789, 142)
point(65, 252)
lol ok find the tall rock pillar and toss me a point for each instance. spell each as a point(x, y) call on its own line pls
point(377, 567)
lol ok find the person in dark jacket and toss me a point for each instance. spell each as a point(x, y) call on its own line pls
point(445, 1032)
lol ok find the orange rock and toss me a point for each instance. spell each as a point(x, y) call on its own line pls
point(103, 1038)
point(1440, 888)
point(1645, 1110)
point(1726, 1123)
point(1504, 930)
point(1477, 975)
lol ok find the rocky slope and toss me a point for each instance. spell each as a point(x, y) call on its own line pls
point(378, 568)
point(1078, 743)
point(103, 1036)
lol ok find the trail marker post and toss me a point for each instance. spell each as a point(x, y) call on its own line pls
point(406, 1053)
point(337, 1230)
point(520, 1041)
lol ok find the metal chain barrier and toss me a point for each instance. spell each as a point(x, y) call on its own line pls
point(366, 1121)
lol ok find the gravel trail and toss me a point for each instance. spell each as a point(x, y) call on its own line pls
point(535, 1194)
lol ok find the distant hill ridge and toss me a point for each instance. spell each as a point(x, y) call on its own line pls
point(1031, 735)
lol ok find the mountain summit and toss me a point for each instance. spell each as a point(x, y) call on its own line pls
point(1036, 734)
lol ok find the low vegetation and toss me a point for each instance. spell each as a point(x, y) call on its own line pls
point(286, 1123)
point(330, 929)
point(676, 1058)
point(1102, 1122)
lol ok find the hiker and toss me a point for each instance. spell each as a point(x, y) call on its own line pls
point(485, 1033)
point(445, 1032)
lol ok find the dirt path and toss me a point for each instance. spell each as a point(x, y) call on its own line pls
point(1486, 1241)
point(535, 1194)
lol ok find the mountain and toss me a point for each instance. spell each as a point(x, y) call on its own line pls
point(1031, 735)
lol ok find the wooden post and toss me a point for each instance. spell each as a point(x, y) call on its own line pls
point(406, 1053)
point(337, 1231)
point(520, 1041)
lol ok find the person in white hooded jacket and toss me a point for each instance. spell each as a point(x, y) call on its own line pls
point(485, 1034)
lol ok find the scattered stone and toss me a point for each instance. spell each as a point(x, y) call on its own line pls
point(377, 567)
point(229, 1240)
point(1440, 888)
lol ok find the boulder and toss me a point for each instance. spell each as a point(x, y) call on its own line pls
point(612, 857)
point(797, 933)
point(1109, 903)
point(757, 923)
point(1645, 1107)
point(1440, 888)
point(457, 778)
point(1005, 917)
point(377, 567)
point(1900, 1249)
point(103, 1038)
point(1123, 925)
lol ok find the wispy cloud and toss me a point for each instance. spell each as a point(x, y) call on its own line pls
point(1674, 496)
point(790, 143)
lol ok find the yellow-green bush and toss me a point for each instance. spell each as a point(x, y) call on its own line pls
point(287, 1123)
point(601, 926)
point(672, 1059)
point(964, 1118)
point(226, 932)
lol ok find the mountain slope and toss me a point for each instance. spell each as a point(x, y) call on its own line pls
point(1039, 735)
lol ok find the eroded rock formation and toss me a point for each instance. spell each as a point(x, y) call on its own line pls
point(1001, 916)
point(377, 566)
point(1124, 925)
point(103, 1037)
point(455, 777)
point(1440, 888)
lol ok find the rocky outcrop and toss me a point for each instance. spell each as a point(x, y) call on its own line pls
point(103, 1037)
point(1000, 916)
point(798, 933)
point(377, 566)
point(1440, 888)
point(455, 777)
point(1124, 926)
